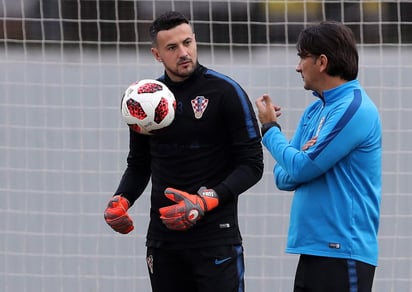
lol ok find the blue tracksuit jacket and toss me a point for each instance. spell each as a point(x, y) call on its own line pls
point(337, 181)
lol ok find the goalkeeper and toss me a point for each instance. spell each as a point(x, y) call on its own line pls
point(198, 167)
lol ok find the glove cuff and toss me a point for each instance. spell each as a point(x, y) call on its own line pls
point(209, 197)
point(119, 201)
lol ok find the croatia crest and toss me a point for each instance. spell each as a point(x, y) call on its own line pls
point(199, 104)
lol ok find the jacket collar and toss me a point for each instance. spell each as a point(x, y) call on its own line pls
point(331, 95)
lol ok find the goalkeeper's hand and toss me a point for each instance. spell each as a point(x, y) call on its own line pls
point(189, 208)
point(116, 215)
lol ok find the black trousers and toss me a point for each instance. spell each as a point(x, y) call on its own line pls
point(324, 274)
point(211, 269)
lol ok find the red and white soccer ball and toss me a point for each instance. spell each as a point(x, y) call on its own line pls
point(148, 106)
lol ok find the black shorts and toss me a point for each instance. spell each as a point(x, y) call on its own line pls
point(217, 269)
point(324, 274)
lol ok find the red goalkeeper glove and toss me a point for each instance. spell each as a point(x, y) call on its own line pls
point(189, 208)
point(116, 215)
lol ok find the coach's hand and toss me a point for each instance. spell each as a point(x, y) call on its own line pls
point(116, 215)
point(189, 208)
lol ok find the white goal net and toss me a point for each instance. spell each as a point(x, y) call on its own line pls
point(63, 67)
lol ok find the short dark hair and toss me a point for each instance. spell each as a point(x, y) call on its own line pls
point(166, 21)
point(337, 42)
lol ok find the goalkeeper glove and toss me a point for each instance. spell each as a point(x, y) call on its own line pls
point(116, 215)
point(189, 208)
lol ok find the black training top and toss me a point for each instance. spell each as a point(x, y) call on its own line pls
point(214, 141)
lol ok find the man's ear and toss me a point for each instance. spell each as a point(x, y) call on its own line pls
point(155, 54)
point(323, 59)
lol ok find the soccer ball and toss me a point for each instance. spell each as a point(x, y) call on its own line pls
point(148, 106)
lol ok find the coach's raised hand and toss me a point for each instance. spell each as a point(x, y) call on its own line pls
point(189, 208)
point(116, 215)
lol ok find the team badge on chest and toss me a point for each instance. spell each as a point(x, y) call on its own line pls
point(199, 104)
